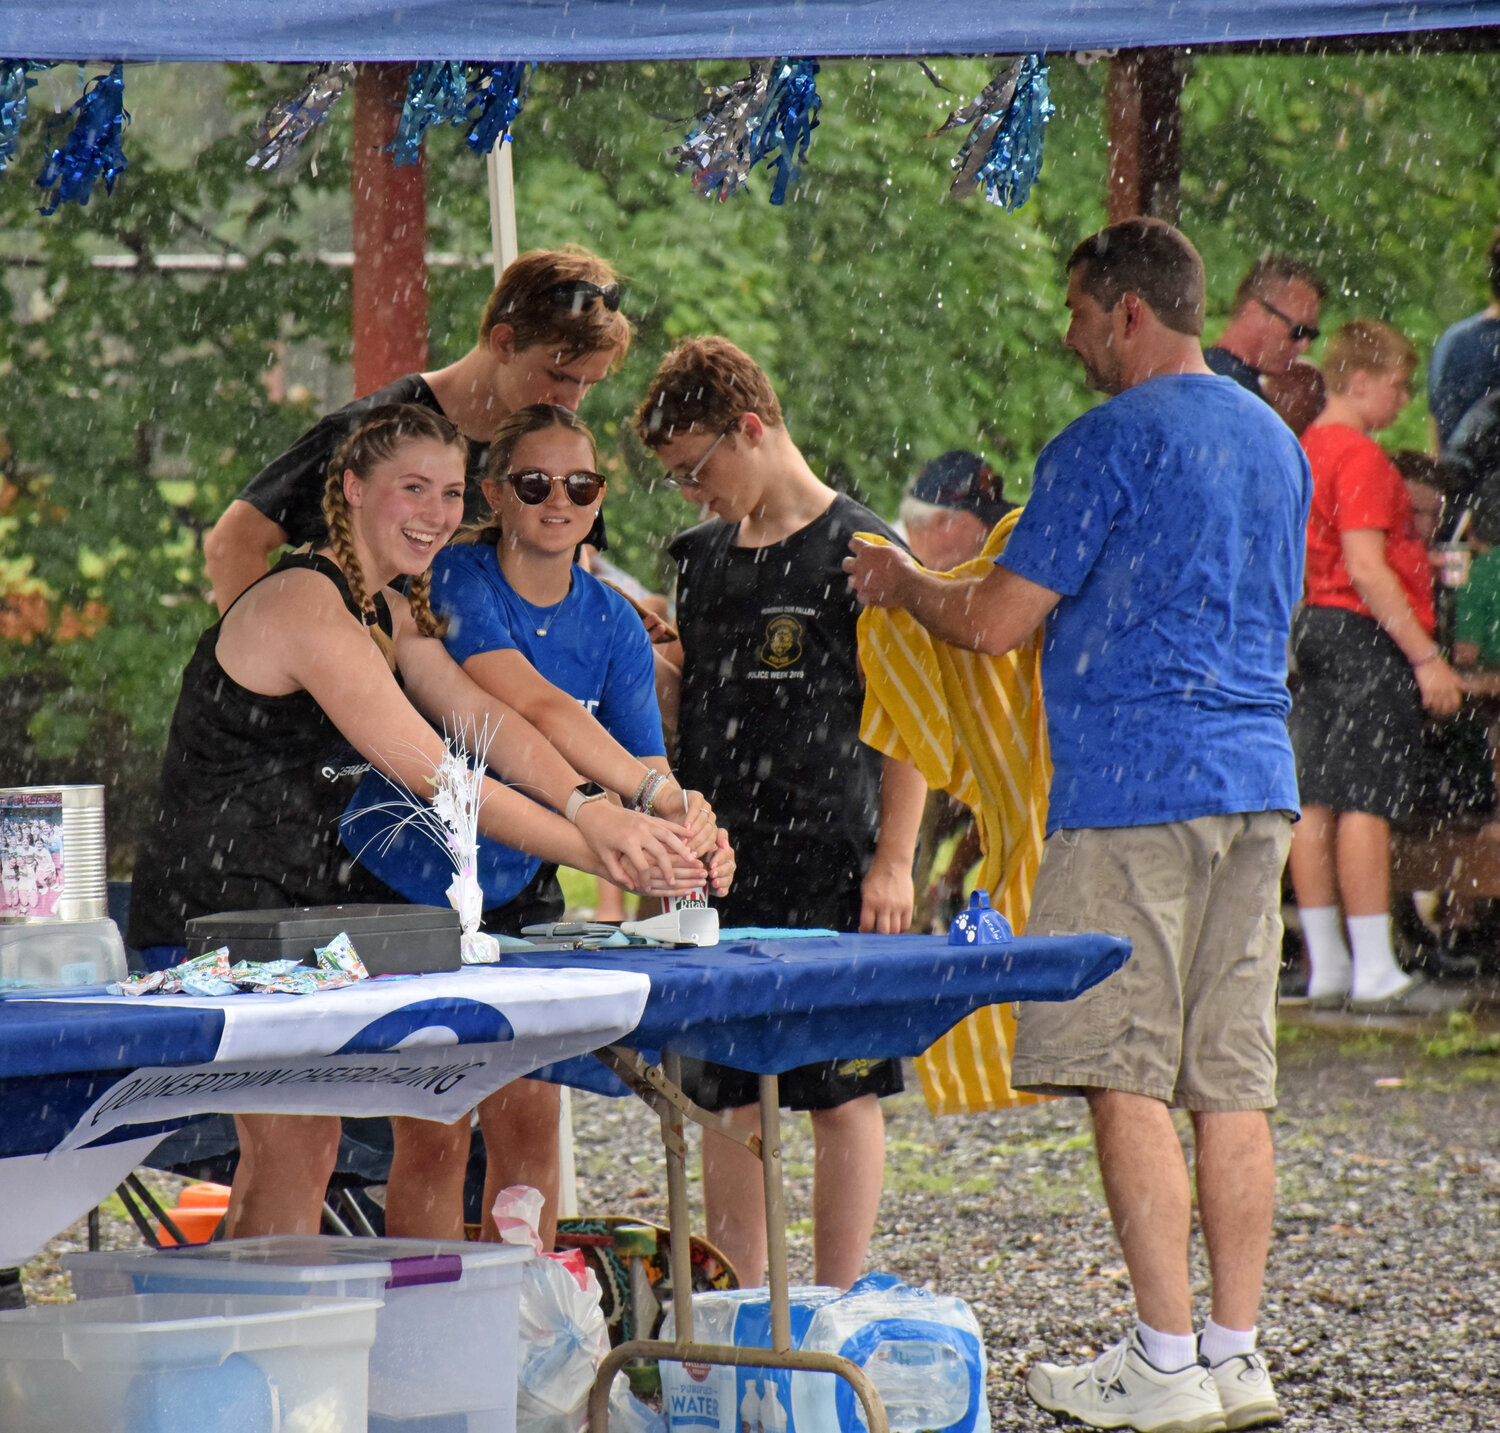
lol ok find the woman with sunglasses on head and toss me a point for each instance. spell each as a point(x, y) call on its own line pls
point(551, 329)
point(571, 655)
point(321, 655)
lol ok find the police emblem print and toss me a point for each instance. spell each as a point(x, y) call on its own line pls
point(783, 645)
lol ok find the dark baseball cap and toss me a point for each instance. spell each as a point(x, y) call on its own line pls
point(963, 480)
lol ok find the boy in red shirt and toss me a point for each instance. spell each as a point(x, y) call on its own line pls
point(1369, 666)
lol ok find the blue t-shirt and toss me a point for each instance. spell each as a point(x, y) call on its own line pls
point(1172, 520)
point(594, 647)
point(1465, 366)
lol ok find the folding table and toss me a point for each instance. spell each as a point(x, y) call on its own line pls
point(770, 1005)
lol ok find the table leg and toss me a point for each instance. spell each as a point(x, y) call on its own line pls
point(662, 1090)
point(679, 1220)
point(770, 1156)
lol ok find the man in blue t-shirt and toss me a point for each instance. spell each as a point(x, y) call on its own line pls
point(1162, 546)
point(1466, 362)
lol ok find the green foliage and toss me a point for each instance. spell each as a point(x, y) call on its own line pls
point(895, 322)
point(1384, 170)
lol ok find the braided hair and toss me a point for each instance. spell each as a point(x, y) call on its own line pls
point(536, 418)
point(384, 431)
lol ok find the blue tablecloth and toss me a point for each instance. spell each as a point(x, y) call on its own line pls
point(770, 1005)
point(112, 1072)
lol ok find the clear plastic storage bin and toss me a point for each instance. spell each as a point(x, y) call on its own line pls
point(58, 954)
point(187, 1363)
point(446, 1341)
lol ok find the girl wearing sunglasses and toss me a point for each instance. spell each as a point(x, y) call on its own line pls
point(571, 655)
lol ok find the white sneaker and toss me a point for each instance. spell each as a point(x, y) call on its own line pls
point(1122, 1388)
point(1245, 1390)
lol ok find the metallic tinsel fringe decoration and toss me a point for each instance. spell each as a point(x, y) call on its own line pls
point(497, 92)
point(92, 149)
point(288, 122)
point(437, 92)
point(769, 115)
point(1003, 151)
point(15, 87)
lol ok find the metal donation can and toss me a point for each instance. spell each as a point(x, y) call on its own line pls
point(53, 862)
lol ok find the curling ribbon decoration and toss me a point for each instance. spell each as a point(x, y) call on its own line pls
point(769, 115)
point(92, 149)
point(496, 94)
point(15, 88)
point(289, 121)
point(437, 92)
point(1003, 151)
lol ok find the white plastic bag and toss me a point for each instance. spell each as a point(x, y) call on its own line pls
point(563, 1336)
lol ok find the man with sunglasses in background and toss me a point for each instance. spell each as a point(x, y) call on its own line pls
point(768, 716)
point(1274, 320)
point(551, 329)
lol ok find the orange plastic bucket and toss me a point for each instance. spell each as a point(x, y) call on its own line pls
point(197, 1225)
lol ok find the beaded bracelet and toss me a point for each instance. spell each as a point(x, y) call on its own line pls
point(649, 789)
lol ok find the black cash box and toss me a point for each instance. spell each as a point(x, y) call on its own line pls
point(389, 939)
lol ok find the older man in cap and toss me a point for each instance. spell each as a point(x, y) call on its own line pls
point(949, 508)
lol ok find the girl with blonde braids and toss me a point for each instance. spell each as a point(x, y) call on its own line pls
point(257, 763)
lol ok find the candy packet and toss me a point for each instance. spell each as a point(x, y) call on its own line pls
point(339, 955)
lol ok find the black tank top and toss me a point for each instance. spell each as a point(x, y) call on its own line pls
point(251, 794)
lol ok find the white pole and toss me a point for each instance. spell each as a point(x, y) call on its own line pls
point(504, 246)
point(502, 184)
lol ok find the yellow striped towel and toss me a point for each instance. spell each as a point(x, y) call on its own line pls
point(975, 727)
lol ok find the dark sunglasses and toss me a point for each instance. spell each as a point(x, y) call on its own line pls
point(534, 487)
point(575, 294)
point(1297, 332)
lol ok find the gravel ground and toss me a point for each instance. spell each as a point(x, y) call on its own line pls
point(1382, 1308)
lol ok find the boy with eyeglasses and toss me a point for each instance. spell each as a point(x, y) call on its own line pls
point(1274, 320)
point(768, 714)
point(551, 329)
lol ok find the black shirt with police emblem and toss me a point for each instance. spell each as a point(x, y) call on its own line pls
point(768, 727)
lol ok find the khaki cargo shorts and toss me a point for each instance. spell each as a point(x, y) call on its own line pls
point(1190, 1018)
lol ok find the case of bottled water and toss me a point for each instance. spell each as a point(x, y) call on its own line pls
point(715, 1398)
point(924, 1353)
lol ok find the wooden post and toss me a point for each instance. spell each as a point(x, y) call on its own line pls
point(1145, 134)
point(390, 238)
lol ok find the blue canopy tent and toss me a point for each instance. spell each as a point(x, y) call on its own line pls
point(595, 30)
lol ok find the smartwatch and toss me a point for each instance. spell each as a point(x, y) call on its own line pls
point(580, 796)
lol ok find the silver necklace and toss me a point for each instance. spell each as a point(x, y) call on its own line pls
point(543, 617)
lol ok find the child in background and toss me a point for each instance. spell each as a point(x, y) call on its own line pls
point(1369, 666)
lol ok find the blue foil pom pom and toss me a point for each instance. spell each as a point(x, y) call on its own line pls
point(437, 92)
point(496, 95)
point(92, 149)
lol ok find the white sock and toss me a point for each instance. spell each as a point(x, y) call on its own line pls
point(1328, 963)
point(1376, 973)
point(1170, 1352)
point(1216, 1343)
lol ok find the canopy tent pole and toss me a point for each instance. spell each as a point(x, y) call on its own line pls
point(504, 246)
point(502, 184)
point(1145, 134)
point(390, 237)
